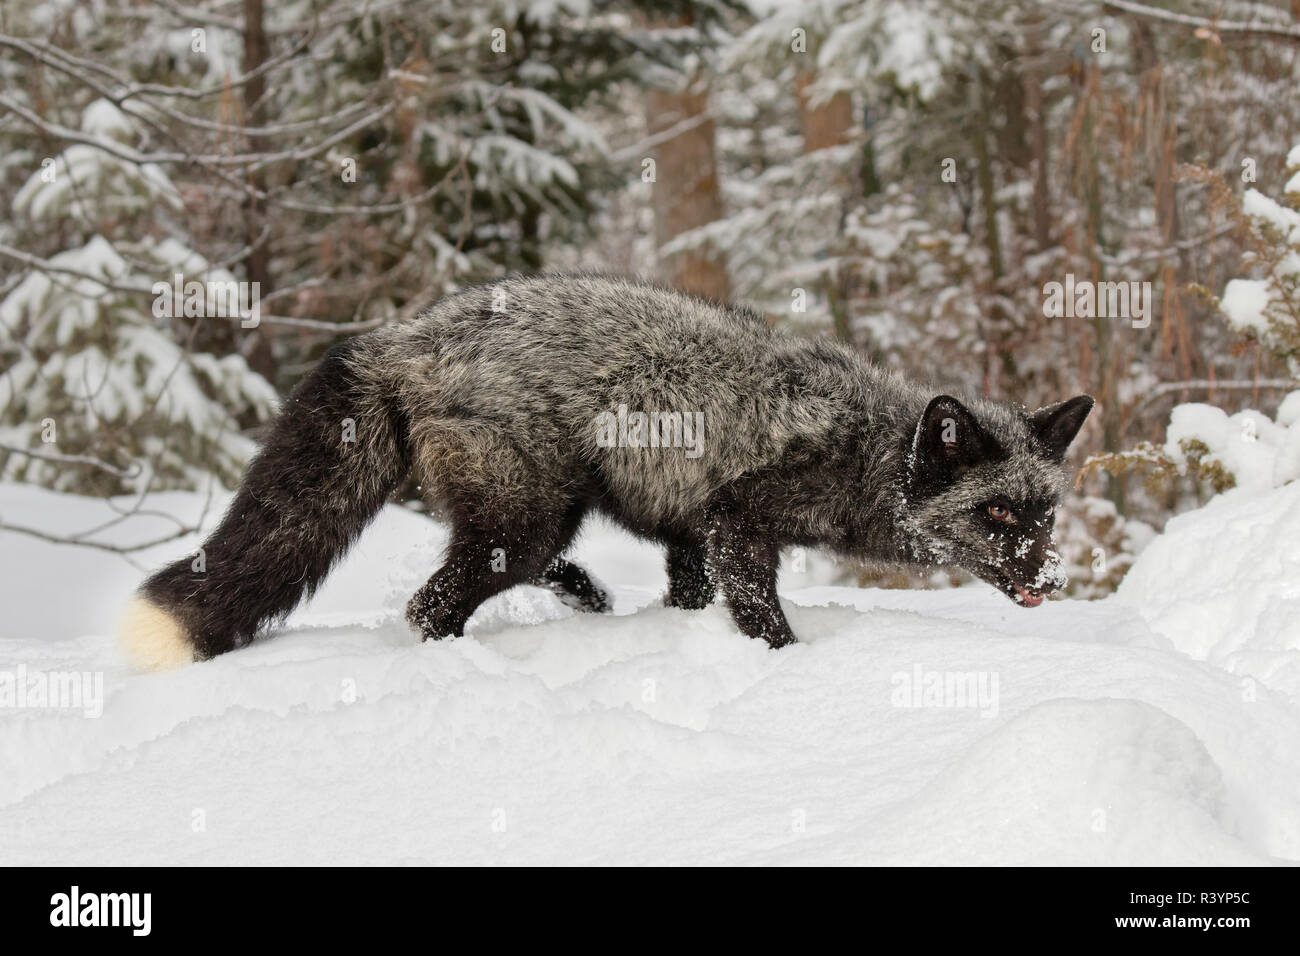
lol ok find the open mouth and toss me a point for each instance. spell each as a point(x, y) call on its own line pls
point(1023, 595)
point(1027, 597)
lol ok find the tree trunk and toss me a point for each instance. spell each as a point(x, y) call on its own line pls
point(686, 192)
point(257, 264)
point(999, 356)
point(1032, 80)
point(826, 124)
point(1109, 358)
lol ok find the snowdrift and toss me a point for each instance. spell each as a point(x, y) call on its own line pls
point(1223, 585)
point(947, 727)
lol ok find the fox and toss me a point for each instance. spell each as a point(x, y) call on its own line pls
point(524, 405)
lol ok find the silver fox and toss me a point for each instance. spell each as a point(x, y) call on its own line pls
point(497, 399)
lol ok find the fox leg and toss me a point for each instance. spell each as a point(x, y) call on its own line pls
point(484, 559)
point(689, 583)
point(746, 568)
point(573, 586)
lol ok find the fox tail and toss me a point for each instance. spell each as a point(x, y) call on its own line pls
point(337, 450)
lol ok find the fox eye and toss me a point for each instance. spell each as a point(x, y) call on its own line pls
point(1001, 513)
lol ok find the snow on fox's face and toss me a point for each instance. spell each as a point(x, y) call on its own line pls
point(982, 495)
point(999, 530)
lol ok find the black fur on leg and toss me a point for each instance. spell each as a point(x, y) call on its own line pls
point(307, 495)
point(745, 565)
point(486, 557)
point(689, 583)
point(574, 586)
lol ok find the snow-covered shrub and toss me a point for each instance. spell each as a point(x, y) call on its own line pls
point(1267, 307)
point(1217, 450)
point(1248, 448)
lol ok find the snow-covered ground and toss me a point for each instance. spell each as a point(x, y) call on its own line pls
point(1159, 726)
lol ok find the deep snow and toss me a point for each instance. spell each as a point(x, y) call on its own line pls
point(1158, 726)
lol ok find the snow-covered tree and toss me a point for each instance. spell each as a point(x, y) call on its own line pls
point(356, 162)
point(98, 393)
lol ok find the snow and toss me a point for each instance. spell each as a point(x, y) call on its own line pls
point(1263, 209)
point(1239, 610)
point(1108, 732)
point(1293, 157)
point(1259, 453)
point(1245, 303)
point(101, 118)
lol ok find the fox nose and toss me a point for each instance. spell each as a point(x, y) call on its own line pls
point(1050, 577)
point(1044, 565)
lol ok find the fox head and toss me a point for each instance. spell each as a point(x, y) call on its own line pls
point(982, 488)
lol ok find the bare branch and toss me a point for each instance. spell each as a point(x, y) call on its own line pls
point(126, 474)
point(1164, 388)
point(128, 89)
point(47, 267)
point(80, 542)
point(1268, 31)
point(251, 161)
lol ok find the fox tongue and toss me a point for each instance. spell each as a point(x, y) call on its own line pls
point(1027, 597)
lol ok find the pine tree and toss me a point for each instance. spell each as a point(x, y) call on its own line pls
point(90, 370)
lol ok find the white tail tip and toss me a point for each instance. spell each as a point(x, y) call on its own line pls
point(153, 639)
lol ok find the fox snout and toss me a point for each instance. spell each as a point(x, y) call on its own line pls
point(1032, 577)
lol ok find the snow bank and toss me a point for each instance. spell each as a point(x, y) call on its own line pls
point(1222, 583)
point(907, 727)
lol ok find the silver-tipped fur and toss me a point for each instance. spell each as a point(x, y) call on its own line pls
point(499, 400)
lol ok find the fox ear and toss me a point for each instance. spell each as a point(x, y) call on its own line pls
point(949, 440)
point(1056, 425)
